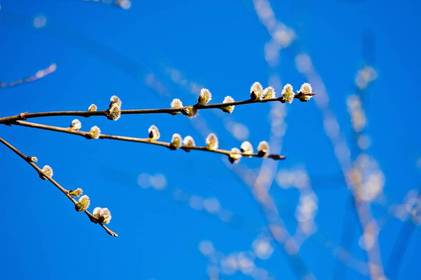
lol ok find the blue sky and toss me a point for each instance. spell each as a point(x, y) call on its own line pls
point(101, 50)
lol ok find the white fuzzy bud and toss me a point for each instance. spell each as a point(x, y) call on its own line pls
point(229, 108)
point(306, 92)
point(47, 171)
point(154, 133)
point(247, 148)
point(263, 148)
point(234, 155)
point(188, 142)
point(256, 91)
point(92, 108)
point(176, 104)
point(75, 125)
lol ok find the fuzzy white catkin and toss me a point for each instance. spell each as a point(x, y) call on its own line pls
point(176, 103)
point(263, 148)
point(229, 108)
point(188, 141)
point(92, 108)
point(154, 133)
point(307, 90)
point(48, 171)
point(246, 147)
point(256, 91)
point(75, 125)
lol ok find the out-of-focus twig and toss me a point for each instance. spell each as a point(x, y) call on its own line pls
point(37, 76)
point(122, 4)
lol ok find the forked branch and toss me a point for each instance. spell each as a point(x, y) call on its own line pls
point(102, 216)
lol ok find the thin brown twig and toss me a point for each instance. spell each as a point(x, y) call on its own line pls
point(172, 111)
point(168, 145)
point(65, 191)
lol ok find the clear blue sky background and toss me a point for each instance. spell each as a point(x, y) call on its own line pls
point(101, 50)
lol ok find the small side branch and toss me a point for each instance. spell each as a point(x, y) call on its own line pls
point(32, 162)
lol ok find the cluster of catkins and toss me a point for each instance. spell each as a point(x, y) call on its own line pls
point(257, 93)
point(212, 143)
point(113, 113)
point(101, 215)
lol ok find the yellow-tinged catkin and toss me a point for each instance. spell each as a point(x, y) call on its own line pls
point(47, 171)
point(204, 96)
point(114, 109)
point(212, 142)
point(287, 93)
point(76, 192)
point(269, 93)
point(94, 132)
point(176, 141)
point(190, 111)
point(83, 203)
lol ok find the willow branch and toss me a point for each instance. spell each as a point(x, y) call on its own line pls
point(62, 189)
point(172, 111)
point(149, 141)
